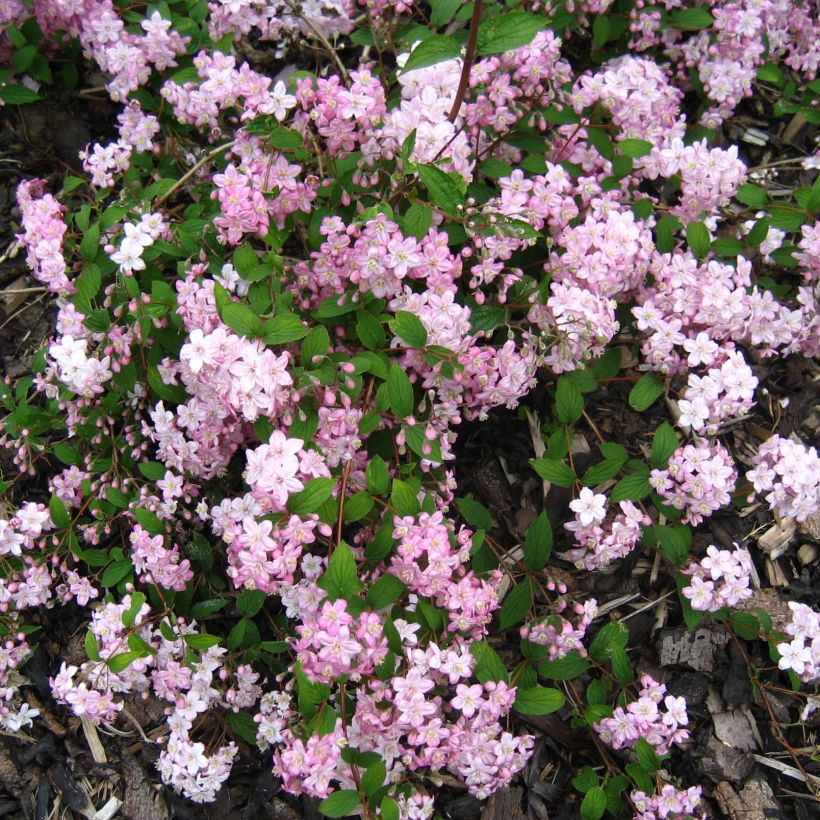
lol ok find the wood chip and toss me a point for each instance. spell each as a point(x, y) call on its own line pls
point(775, 541)
point(698, 650)
point(504, 804)
point(755, 801)
point(142, 801)
point(92, 737)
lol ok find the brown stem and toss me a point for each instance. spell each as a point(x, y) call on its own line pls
point(468, 62)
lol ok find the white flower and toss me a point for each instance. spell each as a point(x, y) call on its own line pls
point(281, 101)
point(589, 507)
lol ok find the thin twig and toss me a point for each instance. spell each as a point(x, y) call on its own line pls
point(186, 176)
point(321, 37)
point(469, 56)
point(19, 291)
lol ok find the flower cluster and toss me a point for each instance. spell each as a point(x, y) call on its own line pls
point(558, 633)
point(669, 802)
point(654, 716)
point(43, 234)
point(698, 480)
point(723, 393)
point(787, 473)
point(719, 580)
point(598, 542)
point(802, 654)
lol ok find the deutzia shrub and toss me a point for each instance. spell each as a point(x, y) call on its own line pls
point(280, 296)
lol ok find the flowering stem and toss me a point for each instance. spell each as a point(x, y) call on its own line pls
point(469, 56)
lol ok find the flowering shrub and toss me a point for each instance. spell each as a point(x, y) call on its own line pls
point(277, 300)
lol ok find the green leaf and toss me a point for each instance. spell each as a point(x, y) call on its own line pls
point(631, 488)
point(91, 649)
point(284, 328)
point(475, 513)
point(59, 513)
point(569, 403)
point(137, 644)
point(370, 331)
point(385, 592)
point(600, 32)
point(443, 11)
point(243, 726)
point(377, 476)
point(285, 138)
point(432, 50)
point(341, 579)
point(243, 636)
point(645, 392)
point(340, 804)
point(409, 328)
point(202, 609)
point(758, 233)
point(315, 346)
point(517, 604)
point(250, 602)
point(88, 283)
point(813, 202)
point(115, 572)
point(404, 498)
point(647, 756)
point(602, 471)
point(119, 663)
point(389, 808)
point(488, 666)
point(634, 148)
point(612, 635)
point(538, 543)
point(665, 233)
point(727, 247)
point(129, 617)
point(567, 668)
point(556, 472)
point(149, 521)
point(539, 700)
point(664, 443)
point(67, 454)
point(786, 217)
point(499, 34)
point(697, 236)
point(14, 94)
point(308, 501)
point(593, 806)
point(242, 319)
point(202, 641)
point(116, 497)
point(417, 221)
point(373, 779)
point(152, 470)
point(752, 195)
point(90, 243)
point(485, 318)
point(400, 392)
point(691, 19)
point(641, 777)
point(674, 543)
point(621, 667)
point(444, 192)
point(770, 73)
point(585, 779)
point(245, 259)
